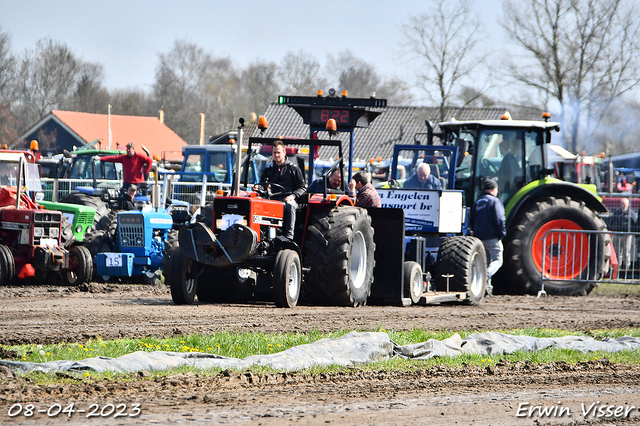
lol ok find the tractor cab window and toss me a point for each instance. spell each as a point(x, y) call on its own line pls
point(534, 153)
point(8, 173)
point(500, 157)
point(193, 163)
point(218, 166)
point(111, 171)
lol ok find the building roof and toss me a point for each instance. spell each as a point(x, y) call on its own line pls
point(396, 125)
point(87, 128)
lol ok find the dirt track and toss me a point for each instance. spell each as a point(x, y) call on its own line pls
point(445, 396)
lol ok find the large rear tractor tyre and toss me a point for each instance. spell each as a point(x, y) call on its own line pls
point(102, 210)
point(98, 242)
point(463, 261)
point(339, 249)
point(413, 281)
point(80, 267)
point(184, 279)
point(287, 279)
point(7, 266)
point(569, 260)
point(67, 237)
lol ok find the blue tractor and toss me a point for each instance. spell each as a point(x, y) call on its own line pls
point(136, 255)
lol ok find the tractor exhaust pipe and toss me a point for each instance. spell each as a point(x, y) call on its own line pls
point(19, 182)
point(235, 191)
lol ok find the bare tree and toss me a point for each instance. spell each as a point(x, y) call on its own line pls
point(442, 50)
point(300, 74)
point(7, 68)
point(131, 102)
point(353, 74)
point(259, 86)
point(89, 94)
point(583, 54)
point(8, 122)
point(190, 81)
point(47, 78)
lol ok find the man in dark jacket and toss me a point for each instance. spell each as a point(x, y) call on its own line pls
point(289, 176)
point(488, 224)
point(128, 199)
point(334, 181)
point(423, 179)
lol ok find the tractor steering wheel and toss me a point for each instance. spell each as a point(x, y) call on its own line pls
point(264, 189)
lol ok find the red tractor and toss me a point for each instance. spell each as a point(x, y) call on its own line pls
point(237, 251)
point(30, 244)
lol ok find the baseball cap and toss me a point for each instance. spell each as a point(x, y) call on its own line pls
point(489, 184)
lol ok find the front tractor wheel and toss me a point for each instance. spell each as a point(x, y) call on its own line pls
point(80, 266)
point(570, 259)
point(339, 249)
point(413, 281)
point(287, 279)
point(7, 265)
point(184, 278)
point(462, 263)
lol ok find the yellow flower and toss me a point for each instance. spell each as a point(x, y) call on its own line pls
point(87, 374)
point(48, 353)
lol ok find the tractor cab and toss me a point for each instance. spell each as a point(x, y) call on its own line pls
point(512, 152)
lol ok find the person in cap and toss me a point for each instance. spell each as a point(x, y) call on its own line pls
point(134, 166)
point(128, 199)
point(488, 223)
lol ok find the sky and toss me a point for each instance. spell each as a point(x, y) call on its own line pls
point(127, 36)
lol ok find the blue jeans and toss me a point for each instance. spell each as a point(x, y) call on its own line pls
point(494, 249)
point(289, 219)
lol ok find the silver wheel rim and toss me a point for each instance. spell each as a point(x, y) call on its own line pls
point(72, 277)
point(477, 278)
point(416, 285)
point(358, 260)
point(293, 282)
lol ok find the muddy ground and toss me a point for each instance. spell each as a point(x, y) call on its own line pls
point(504, 394)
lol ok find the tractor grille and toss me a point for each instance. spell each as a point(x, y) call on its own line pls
point(85, 217)
point(131, 230)
point(46, 225)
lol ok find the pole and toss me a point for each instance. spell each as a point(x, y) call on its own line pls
point(236, 181)
point(109, 123)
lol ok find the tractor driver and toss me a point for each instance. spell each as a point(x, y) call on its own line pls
point(289, 176)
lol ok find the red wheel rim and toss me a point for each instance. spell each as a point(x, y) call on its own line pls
point(566, 255)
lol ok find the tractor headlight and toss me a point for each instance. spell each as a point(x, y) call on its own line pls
point(38, 231)
point(79, 228)
point(54, 232)
point(139, 241)
point(125, 240)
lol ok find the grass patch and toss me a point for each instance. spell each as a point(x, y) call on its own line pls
point(241, 345)
point(616, 290)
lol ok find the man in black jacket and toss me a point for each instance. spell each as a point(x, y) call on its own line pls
point(289, 176)
point(488, 223)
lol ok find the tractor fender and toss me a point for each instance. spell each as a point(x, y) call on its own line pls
point(549, 187)
point(192, 239)
point(282, 243)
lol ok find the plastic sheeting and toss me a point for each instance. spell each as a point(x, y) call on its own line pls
point(349, 350)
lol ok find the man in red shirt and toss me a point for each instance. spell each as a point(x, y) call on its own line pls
point(134, 166)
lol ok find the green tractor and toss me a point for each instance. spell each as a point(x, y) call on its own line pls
point(514, 152)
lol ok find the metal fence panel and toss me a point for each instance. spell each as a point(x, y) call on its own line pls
point(590, 256)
